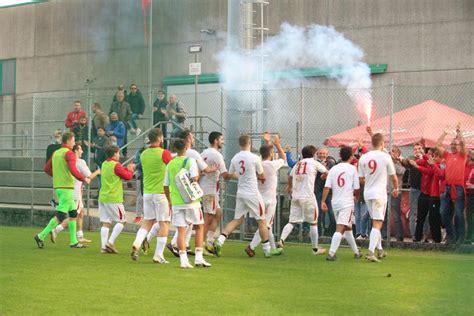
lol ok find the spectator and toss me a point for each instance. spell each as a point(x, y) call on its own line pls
point(160, 114)
point(120, 88)
point(176, 114)
point(137, 105)
point(98, 145)
point(122, 108)
point(57, 141)
point(139, 182)
point(99, 120)
point(396, 201)
point(326, 220)
point(455, 169)
point(117, 129)
point(81, 134)
point(72, 119)
point(470, 196)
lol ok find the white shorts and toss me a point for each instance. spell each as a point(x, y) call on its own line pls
point(344, 216)
point(210, 203)
point(270, 209)
point(112, 212)
point(377, 209)
point(252, 204)
point(155, 206)
point(304, 210)
point(79, 205)
point(184, 215)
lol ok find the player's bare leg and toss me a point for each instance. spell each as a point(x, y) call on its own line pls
point(181, 240)
point(140, 237)
point(198, 242)
point(80, 222)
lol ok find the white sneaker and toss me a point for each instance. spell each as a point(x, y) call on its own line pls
point(186, 265)
point(371, 257)
point(138, 131)
point(160, 260)
point(202, 263)
point(318, 251)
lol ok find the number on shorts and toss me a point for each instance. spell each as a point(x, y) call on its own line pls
point(242, 167)
point(340, 180)
point(372, 166)
point(301, 164)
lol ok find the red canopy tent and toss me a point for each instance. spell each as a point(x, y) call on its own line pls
point(423, 122)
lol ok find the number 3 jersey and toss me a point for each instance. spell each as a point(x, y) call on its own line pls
point(343, 179)
point(304, 174)
point(247, 165)
point(375, 166)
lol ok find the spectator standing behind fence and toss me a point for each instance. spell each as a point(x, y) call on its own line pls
point(160, 114)
point(396, 201)
point(124, 112)
point(176, 114)
point(120, 88)
point(99, 120)
point(98, 145)
point(116, 128)
point(453, 197)
point(81, 134)
point(470, 195)
point(137, 105)
point(326, 220)
point(57, 141)
point(72, 119)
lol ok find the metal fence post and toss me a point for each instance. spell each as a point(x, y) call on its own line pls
point(389, 211)
point(32, 188)
point(301, 126)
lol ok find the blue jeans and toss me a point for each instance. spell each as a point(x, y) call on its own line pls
point(133, 119)
point(361, 218)
point(397, 217)
point(447, 208)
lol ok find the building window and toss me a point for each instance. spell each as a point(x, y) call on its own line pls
point(7, 77)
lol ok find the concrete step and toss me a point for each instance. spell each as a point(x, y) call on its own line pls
point(21, 163)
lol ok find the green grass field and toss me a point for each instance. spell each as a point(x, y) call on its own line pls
point(59, 280)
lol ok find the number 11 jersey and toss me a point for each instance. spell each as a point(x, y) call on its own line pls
point(375, 166)
point(304, 174)
point(247, 165)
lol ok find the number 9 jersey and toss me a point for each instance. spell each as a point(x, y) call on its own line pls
point(375, 166)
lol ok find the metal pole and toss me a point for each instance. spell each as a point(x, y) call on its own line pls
point(89, 101)
point(32, 160)
point(222, 110)
point(195, 95)
point(389, 211)
point(150, 63)
point(301, 114)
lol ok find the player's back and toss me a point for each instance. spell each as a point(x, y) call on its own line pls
point(209, 182)
point(268, 187)
point(303, 174)
point(375, 166)
point(343, 179)
point(247, 165)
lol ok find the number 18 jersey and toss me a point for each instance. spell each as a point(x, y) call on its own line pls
point(375, 166)
point(304, 174)
point(343, 179)
point(247, 165)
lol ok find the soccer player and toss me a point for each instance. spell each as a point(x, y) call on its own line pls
point(184, 214)
point(62, 167)
point(304, 207)
point(343, 180)
point(247, 167)
point(111, 197)
point(155, 205)
point(268, 190)
point(209, 183)
point(374, 169)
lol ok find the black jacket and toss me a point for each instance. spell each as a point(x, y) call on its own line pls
point(136, 101)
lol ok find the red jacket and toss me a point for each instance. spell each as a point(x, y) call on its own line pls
point(426, 175)
point(469, 176)
point(73, 117)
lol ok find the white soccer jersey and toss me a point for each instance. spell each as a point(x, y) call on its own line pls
point(375, 166)
point(343, 179)
point(247, 166)
point(303, 174)
point(268, 187)
point(191, 153)
point(193, 172)
point(81, 165)
point(209, 182)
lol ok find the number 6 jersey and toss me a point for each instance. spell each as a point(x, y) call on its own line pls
point(375, 166)
point(304, 174)
point(342, 179)
point(247, 165)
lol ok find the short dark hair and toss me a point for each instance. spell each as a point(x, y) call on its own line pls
point(244, 140)
point(266, 150)
point(76, 147)
point(161, 91)
point(101, 128)
point(184, 134)
point(67, 136)
point(133, 84)
point(179, 144)
point(111, 150)
point(213, 136)
point(154, 134)
point(377, 139)
point(418, 144)
point(345, 153)
point(97, 105)
point(308, 151)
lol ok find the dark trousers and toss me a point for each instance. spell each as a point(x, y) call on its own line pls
point(424, 205)
point(162, 126)
point(435, 220)
point(470, 216)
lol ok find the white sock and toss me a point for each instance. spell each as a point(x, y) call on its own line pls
point(174, 241)
point(183, 257)
point(140, 237)
point(379, 244)
point(80, 234)
point(374, 239)
point(115, 232)
point(189, 233)
point(313, 233)
point(104, 235)
point(198, 254)
point(335, 242)
point(221, 239)
point(286, 231)
point(351, 241)
point(59, 229)
point(153, 231)
point(271, 238)
point(266, 247)
point(160, 246)
point(255, 240)
point(210, 237)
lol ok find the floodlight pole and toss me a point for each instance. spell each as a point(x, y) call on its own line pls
point(89, 129)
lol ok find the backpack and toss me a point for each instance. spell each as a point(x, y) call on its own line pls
point(189, 190)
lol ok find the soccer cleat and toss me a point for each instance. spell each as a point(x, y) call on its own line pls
point(137, 219)
point(318, 251)
point(202, 263)
point(78, 245)
point(381, 253)
point(145, 246)
point(111, 248)
point(280, 244)
point(173, 249)
point(267, 254)
point(53, 235)
point(276, 251)
point(53, 203)
point(357, 255)
point(209, 247)
point(186, 265)
point(82, 239)
point(39, 242)
point(104, 250)
point(331, 258)
point(371, 257)
point(217, 248)
point(160, 260)
point(205, 252)
point(190, 252)
point(134, 254)
point(249, 251)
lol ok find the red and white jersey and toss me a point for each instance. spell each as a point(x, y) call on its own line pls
point(268, 187)
point(375, 166)
point(343, 179)
point(81, 165)
point(303, 174)
point(191, 153)
point(209, 182)
point(247, 165)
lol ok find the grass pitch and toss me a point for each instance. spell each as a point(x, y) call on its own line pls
point(60, 280)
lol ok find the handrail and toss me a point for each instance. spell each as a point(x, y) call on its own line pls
point(30, 122)
point(209, 118)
